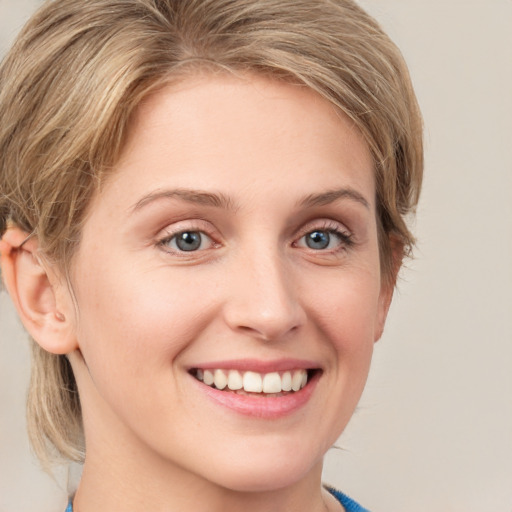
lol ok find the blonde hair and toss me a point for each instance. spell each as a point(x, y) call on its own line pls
point(77, 72)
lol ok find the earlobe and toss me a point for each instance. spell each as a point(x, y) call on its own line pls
point(39, 296)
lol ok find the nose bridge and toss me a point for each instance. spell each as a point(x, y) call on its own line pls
point(263, 299)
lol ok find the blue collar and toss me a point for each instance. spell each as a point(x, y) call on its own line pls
point(349, 504)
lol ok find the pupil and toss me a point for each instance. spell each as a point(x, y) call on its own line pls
point(318, 240)
point(188, 241)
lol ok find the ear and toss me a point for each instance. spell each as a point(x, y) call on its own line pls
point(387, 288)
point(40, 296)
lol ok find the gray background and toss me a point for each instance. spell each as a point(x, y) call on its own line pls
point(434, 427)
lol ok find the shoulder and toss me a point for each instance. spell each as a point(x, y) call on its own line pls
point(349, 504)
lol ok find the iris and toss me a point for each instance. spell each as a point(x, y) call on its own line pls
point(318, 240)
point(188, 241)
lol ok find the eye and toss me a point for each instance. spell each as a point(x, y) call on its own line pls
point(318, 240)
point(327, 238)
point(187, 241)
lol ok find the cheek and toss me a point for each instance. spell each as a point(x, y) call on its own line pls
point(345, 306)
point(130, 322)
point(344, 311)
point(131, 330)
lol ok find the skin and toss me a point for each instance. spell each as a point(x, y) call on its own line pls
point(147, 312)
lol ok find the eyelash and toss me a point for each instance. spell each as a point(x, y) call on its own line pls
point(171, 235)
point(346, 239)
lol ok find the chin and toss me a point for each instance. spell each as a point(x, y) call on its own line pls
point(266, 473)
point(268, 480)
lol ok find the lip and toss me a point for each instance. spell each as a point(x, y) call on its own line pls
point(259, 406)
point(281, 365)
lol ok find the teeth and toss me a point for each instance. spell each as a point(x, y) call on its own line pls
point(219, 379)
point(304, 380)
point(253, 382)
point(286, 381)
point(235, 380)
point(296, 381)
point(208, 377)
point(272, 383)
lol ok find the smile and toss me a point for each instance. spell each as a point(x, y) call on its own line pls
point(253, 382)
point(260, 390)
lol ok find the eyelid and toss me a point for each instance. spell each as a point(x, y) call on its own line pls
point(324, 225)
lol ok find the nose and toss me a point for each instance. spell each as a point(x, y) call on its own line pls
point(263, 299)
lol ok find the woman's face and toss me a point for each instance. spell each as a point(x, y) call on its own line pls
point(236, 241)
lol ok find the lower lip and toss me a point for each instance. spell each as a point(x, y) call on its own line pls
point(261, 406)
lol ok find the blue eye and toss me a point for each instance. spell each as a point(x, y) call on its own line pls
point(318, 240)
point(326, 239)
point(187, 241)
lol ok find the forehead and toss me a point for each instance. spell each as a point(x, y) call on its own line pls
point(233, 133)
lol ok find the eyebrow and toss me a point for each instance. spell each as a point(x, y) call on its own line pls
point(219, 200)
point(331, 196)
point(216, 200)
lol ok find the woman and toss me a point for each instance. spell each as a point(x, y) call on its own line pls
point(202, 217)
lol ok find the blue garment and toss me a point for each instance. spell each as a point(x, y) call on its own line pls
point(349, 504)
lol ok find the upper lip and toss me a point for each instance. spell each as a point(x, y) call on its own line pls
point(259, 366)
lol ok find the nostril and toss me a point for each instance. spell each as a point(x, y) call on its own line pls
point(264, 326)
point(267, 333)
